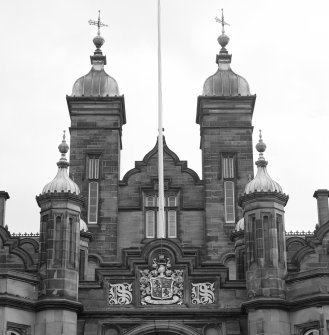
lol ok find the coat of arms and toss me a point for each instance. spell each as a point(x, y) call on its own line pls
point(162, 285)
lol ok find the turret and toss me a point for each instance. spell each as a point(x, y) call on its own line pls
point(97, 113)
point(60, 204)
point(263, 205)
point(224, 113)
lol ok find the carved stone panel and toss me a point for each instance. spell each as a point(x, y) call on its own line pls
point(120, 294)
point(203, 293)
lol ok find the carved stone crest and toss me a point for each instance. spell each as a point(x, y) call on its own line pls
point(162, 285)
point(203, 293)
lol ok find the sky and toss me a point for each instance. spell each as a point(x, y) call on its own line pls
point(280, 47)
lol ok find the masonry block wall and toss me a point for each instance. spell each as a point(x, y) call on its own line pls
point(226, 131)
point(96, 125)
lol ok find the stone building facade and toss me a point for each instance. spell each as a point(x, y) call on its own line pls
point(226, 265)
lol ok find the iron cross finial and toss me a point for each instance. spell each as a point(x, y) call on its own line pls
point(222, 21)
point(98, 23)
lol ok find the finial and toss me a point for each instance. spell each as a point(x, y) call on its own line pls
point(98, 23)
point(222, 21)
point(98, 40)
point(261, 147)
point(223, 40)
point(63, 149)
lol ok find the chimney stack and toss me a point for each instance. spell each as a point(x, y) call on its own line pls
point(323, 206)
point(3, 197)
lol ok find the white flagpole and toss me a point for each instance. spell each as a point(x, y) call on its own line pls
point(161, 218)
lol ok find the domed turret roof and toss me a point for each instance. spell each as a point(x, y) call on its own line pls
point(96, 83)
point(225, 82)
point(262, 182)
point(62, 182)
point(83, 226)
point(240, 225)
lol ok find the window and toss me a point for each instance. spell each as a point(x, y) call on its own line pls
point(172, 223)
point(228, 167)
point(58, 239)
point(228, 175)
point(93, 202)
point(229, 201)
point(72, 244)
point(150, 224)
point(93, 168)
point(152, 216)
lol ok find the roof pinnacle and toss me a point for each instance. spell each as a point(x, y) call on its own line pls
point(63, 149)
point(223, 40)
point(98, 40)
point(261, 147)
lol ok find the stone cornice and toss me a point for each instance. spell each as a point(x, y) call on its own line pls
point(169, 312)
point(20, 276)
point(61, 304)
point(87, 235)
point(276, 303)
point(236, 235)
point(224, 100)
point(60, 196)
point(7, 300)
point(91, 100)
point(281, 198)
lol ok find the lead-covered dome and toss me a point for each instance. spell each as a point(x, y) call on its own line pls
point(225, 82)
point(262, 182)
point(240, 225)
point(96, 83)
point(62, 182)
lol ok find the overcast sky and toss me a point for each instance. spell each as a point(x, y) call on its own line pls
point(280, 47)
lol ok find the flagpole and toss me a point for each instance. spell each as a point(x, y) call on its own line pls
point(161, 218)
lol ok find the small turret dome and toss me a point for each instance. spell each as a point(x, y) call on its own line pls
point(83, 226)
point(262, 182)
point(225, 82)
point(240, 225)
point(62, 182)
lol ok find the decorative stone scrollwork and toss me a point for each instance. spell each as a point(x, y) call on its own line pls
point(161, 286)
point(120, 294)
point(203, 293)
